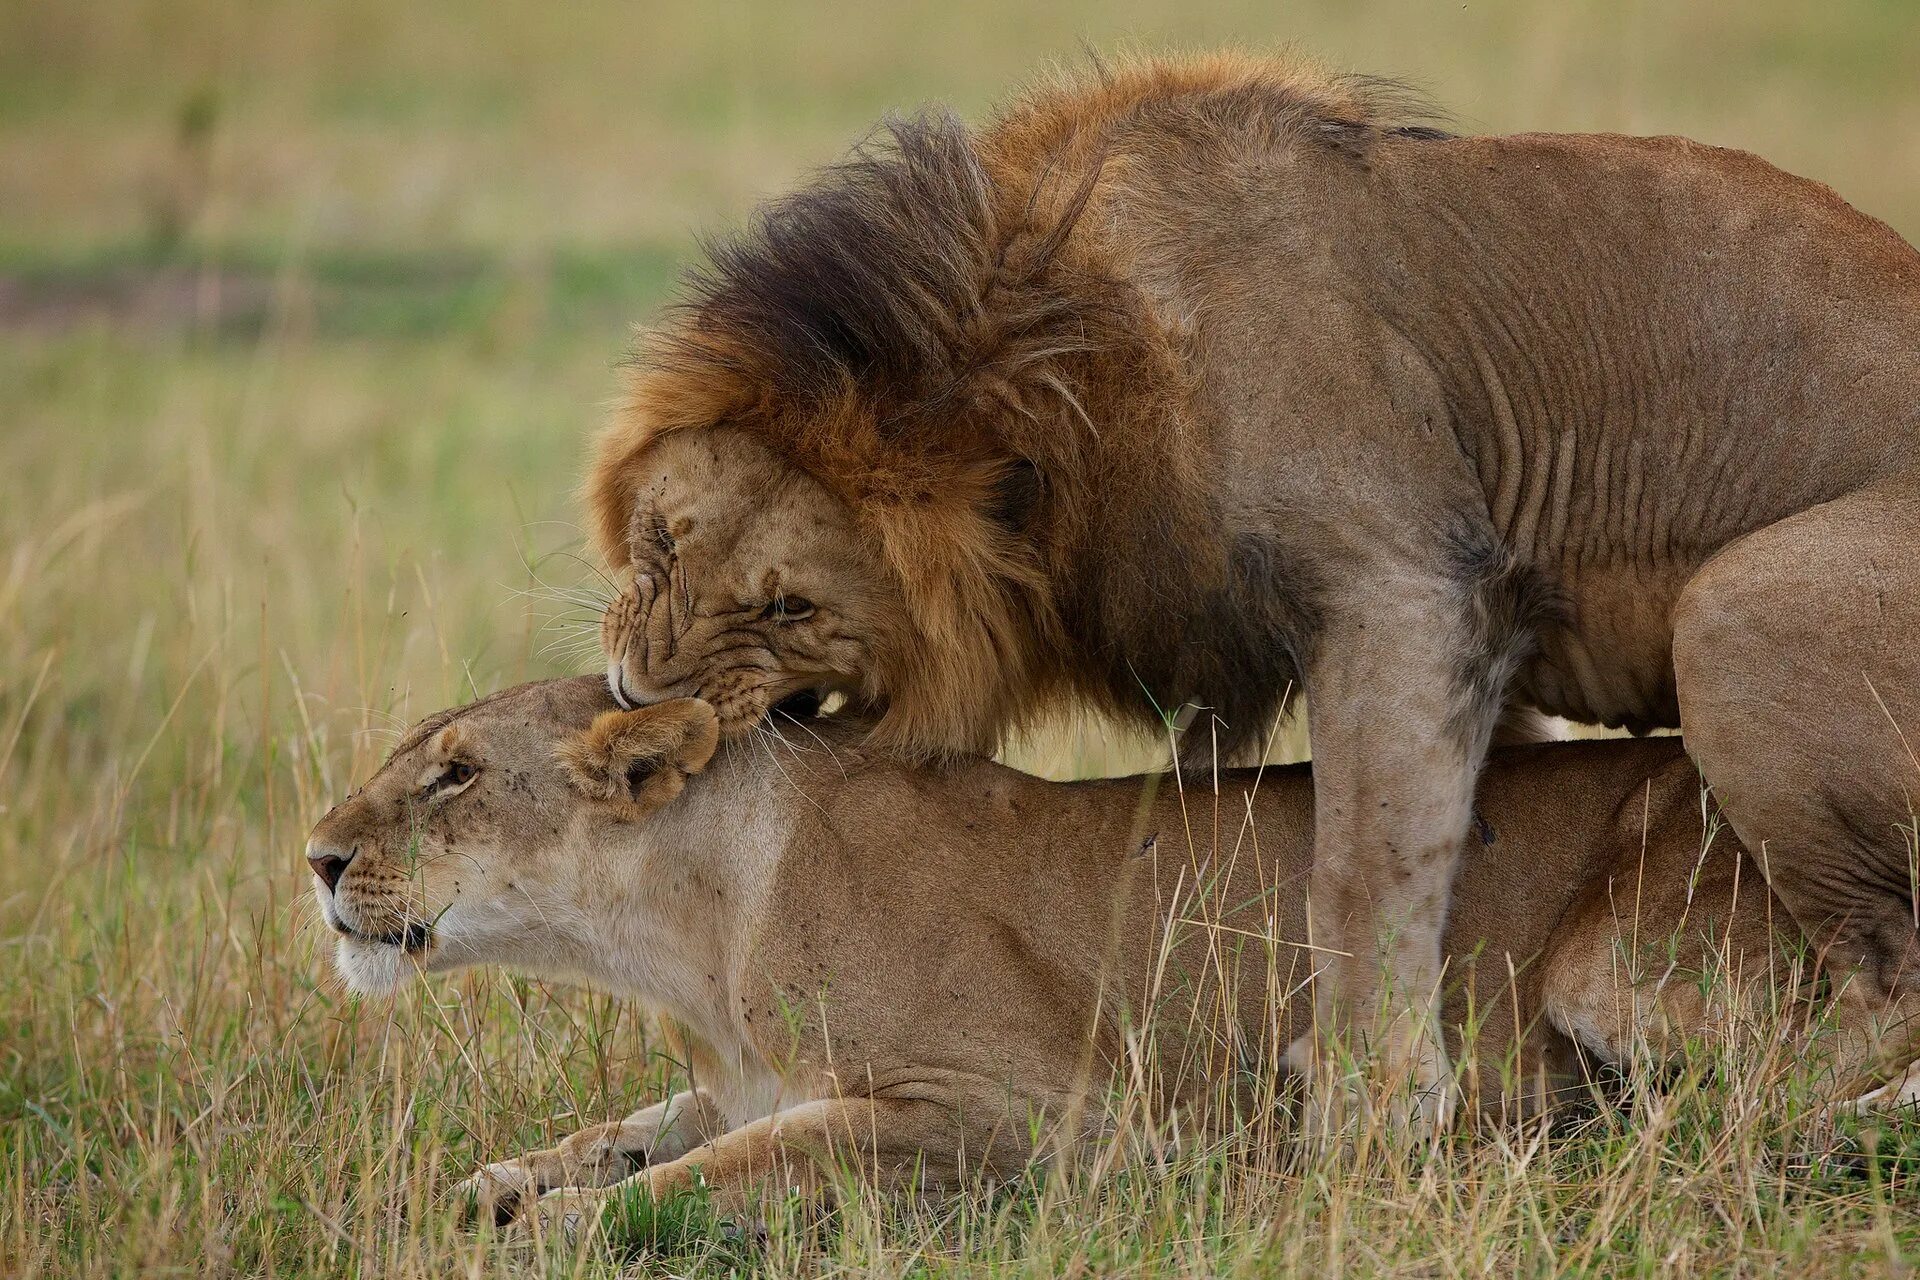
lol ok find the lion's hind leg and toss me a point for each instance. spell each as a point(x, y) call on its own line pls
point(1797, 664)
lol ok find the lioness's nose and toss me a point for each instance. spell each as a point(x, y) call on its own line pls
point(328, 864)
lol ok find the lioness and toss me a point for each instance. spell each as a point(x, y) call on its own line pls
point(1189, 384)
point(921, 973)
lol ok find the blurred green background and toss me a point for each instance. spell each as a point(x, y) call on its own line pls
point(306, 312)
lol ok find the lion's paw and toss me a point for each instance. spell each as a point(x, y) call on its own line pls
point(1409, 1089)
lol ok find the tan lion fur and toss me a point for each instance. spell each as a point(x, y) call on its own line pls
point(917, 972)
point(1185, 385)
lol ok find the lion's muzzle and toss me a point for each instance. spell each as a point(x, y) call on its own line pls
point(659, 648)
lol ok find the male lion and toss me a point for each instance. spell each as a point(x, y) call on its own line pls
point(925, 1012)
point(1191, 384)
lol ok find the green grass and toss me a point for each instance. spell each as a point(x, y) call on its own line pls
point(305, 313)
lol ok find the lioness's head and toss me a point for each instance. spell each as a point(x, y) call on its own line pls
point(474, 842)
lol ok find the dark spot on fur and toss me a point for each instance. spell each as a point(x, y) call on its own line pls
point(1230, 645)
point(1507, 604)
point(1017, 496)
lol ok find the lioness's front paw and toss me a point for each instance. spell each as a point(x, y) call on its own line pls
point(569, 1213)
point(495, 1193)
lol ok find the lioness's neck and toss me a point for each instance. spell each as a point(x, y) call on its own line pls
point(689, 889)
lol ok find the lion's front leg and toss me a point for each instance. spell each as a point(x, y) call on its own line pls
point(1406, 685)
point(599, 1156)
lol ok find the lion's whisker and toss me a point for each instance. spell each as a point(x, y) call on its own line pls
point(787, 777)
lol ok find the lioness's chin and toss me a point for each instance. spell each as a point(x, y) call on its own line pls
point(375, 968)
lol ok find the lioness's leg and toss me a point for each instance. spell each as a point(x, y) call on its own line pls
point(594, 1157)
point(931, 1143)
point(1797, 660)
point(1679, 943)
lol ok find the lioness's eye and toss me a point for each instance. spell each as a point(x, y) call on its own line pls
point(787, 609)
point(458, 774)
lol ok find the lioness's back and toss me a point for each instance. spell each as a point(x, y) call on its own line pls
point(1008, 911)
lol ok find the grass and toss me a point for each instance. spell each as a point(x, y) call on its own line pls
point(304, 313)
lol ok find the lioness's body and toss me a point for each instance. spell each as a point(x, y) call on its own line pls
point(917, 963)
point(1198, 383)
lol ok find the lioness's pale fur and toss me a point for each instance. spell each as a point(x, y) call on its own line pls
point(919, 971)
point(1188, 384)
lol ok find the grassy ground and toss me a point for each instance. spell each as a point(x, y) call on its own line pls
point(304, 312)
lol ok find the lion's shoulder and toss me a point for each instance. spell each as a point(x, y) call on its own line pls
point(1213, 96)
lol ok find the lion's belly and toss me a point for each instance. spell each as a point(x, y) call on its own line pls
point(1611, 662)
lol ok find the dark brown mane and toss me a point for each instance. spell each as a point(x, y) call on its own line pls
point(921, 273)
point(903, 291)
point(876, 274)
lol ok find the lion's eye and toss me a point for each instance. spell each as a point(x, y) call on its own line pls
point(458, 774)
point(787, 609)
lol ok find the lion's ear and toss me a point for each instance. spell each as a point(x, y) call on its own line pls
point(639, 760)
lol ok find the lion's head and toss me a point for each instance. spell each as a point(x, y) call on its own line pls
point(751, 584)
point(471, 843)
point(858, 458)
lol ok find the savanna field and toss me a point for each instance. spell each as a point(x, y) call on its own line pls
point(306, 313)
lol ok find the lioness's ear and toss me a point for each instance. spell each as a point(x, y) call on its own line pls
point(639, 760)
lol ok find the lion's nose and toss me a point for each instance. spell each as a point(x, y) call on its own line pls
point(617, 685)
point(631, 693)
point(328, 864)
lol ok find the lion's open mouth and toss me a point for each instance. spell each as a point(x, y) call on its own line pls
point(804, 705)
